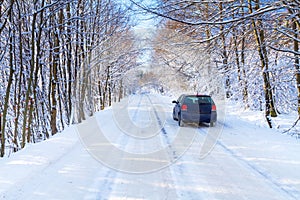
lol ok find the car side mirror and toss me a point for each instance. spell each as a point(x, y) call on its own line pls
point(175, 101)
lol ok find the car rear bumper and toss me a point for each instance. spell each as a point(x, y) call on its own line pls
point(198, 118)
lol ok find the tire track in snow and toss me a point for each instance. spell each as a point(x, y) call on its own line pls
point(134, 117)
point(107, 185)
point(285, 188)
point(163, 130)
point(174, 169)
point(110, 175)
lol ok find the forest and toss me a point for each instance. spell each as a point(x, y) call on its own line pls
point(245, 50)
point(62, 61)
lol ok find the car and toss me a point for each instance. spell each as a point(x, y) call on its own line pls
point(195, 109)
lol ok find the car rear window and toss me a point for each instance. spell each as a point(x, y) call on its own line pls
point(198, 100)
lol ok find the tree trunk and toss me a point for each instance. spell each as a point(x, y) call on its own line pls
point(37, 67)
point(262, 51)
point(225, 57)
point(30, 79)
point(296, 28)
point(69, 63)
point(120, 91)
point(53, 82)
point(7, 97)
point(19, 82)
point(106, 86)
point(109, 92)
point(244, 75)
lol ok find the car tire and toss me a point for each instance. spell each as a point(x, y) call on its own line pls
point(180, 122)
point(212, 124)
point(174, 118)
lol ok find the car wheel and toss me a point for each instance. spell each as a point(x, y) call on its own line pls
point(174, 118)
point(212, 124)
point(180, 122)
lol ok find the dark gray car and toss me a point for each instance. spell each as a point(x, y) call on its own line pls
point(195, 109)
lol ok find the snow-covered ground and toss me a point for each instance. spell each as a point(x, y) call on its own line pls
point(143, 154)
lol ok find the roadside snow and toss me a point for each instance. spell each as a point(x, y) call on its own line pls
point(282, 123)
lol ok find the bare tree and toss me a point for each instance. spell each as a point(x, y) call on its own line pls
point(262, 51)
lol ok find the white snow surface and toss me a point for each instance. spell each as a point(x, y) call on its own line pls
point(247, 161)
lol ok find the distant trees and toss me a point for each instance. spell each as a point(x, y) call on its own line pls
point(251, 43)
point(59, 61)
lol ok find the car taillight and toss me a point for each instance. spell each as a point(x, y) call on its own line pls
point(184, 107)
point(213, 108)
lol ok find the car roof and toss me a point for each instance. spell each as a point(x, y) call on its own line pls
point(197, 95)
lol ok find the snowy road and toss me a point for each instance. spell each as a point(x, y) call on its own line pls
point(143, 154)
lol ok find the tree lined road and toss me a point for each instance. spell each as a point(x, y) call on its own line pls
point(64, 64)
